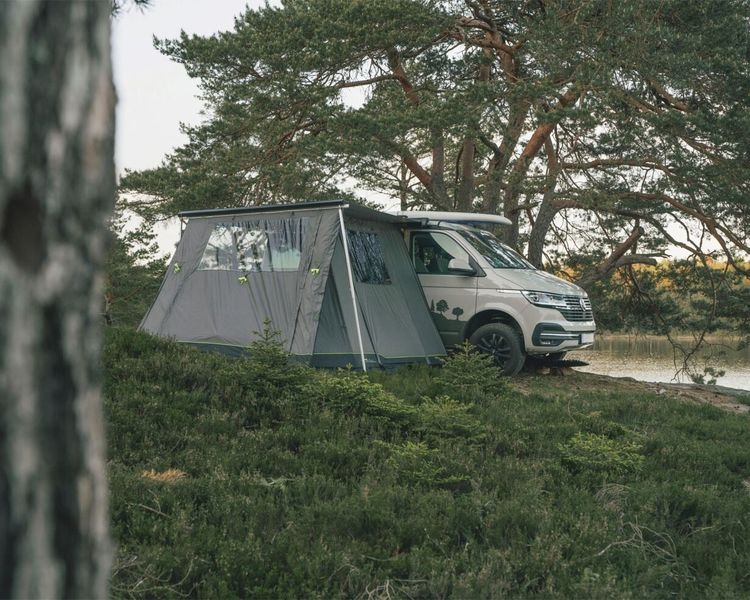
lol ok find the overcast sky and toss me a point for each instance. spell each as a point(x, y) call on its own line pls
point(155, 94)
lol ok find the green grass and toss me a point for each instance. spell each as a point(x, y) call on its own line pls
point(420, 483)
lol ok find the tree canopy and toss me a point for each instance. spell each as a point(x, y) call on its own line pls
point(607, 132)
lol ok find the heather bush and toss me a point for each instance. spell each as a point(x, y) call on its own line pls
point(256, 477)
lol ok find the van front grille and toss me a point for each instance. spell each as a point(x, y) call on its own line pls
point(577, 309)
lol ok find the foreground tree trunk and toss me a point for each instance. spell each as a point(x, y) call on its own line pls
point(56, 193)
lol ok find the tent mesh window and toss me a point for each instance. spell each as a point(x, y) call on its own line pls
point(261, 245)
point(368, 261)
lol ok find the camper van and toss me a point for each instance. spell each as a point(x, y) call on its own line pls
point(481, 290)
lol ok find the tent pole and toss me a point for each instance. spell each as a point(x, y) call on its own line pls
point(351, 288)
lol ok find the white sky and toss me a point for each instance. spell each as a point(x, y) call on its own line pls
point(155, 94)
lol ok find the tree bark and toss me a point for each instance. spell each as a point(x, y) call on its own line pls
point(498, 164)
point(56, 194)
point(521, 167)
point(465, 192)
point(615, 259)
point(548, 209)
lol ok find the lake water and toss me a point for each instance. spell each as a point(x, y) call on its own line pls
point(654, 359)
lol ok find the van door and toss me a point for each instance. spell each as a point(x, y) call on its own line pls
point(451, 295)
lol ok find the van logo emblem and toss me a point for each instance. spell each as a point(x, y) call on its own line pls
point(583, 304)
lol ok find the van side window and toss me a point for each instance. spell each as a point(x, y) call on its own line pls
point(431, 252)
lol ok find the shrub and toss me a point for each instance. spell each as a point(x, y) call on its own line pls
point(269, 368)
point(470, 375)
point(600, 454)
point(416, 464)
point(443, 417)
point(354, 394)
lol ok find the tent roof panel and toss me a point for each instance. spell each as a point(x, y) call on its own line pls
point(350, 209)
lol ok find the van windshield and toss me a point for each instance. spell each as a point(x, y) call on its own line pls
point(497, 254)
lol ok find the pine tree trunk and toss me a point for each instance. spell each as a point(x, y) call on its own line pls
point(56, 194)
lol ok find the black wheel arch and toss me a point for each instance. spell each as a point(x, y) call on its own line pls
point(492, 316)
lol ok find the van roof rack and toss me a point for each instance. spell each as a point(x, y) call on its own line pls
point(465, 218)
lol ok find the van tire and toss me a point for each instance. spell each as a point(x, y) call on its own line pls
point(503, 344)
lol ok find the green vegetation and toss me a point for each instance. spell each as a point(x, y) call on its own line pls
point(256, 478)
point(134, 271)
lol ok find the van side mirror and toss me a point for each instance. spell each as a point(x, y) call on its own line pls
point(460, 267)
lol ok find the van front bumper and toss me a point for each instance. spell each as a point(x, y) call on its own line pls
point(555, 337)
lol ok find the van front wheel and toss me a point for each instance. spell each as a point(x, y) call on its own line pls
point(503, 344)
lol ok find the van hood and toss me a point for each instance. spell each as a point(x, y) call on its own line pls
point(536, 280)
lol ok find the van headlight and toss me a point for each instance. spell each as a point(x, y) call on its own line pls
point(545, 299)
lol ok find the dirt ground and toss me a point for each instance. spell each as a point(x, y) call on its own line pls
point(729, 399)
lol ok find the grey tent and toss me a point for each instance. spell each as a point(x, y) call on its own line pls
point(334, 279)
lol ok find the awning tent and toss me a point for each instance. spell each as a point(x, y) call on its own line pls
point(333, 278)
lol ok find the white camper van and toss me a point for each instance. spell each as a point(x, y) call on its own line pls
point(480, 290)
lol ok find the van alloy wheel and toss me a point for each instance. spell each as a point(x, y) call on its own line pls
point(503, 343)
